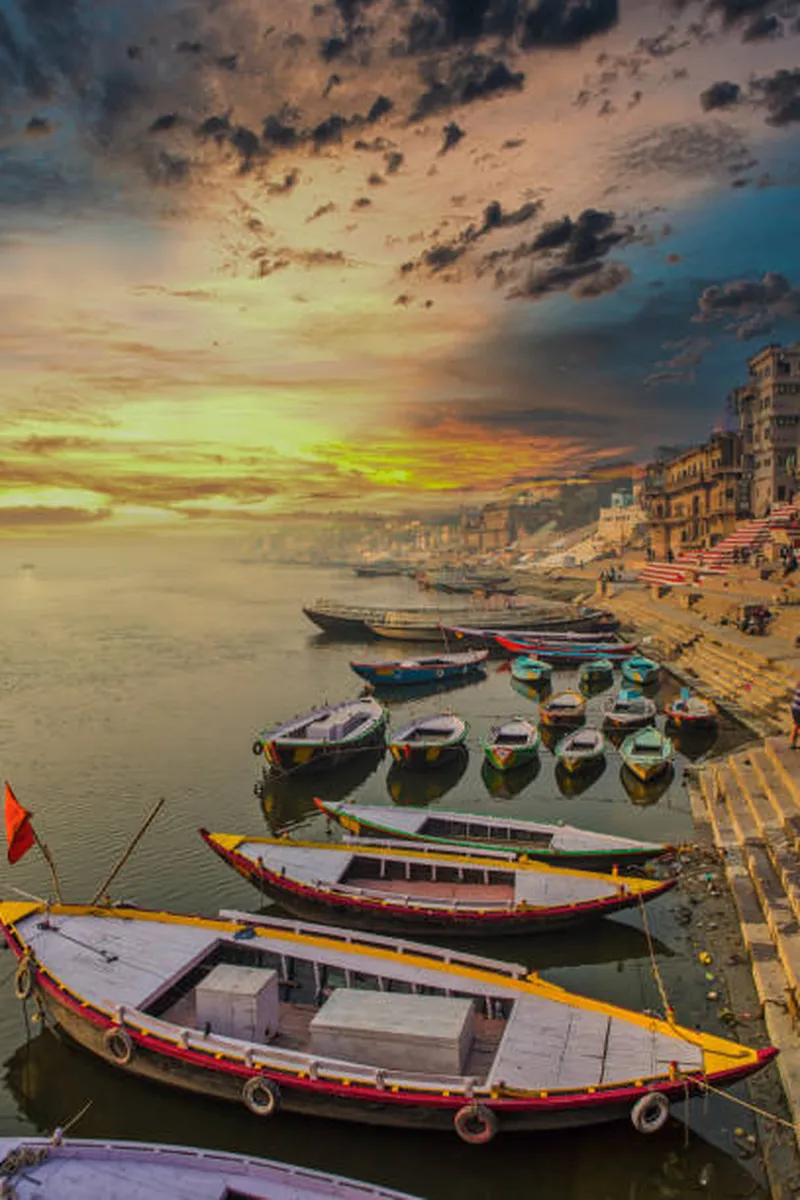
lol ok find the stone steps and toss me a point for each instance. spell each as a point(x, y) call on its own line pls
point(751, 810)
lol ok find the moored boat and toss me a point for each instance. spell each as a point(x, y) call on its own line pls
point(688, 711)
point(563, 708)
point(595, 672)
point(512, 744)
point(597, 629)
point(629, 709)
point(647, 753)
point(356, 1027)
point(564, 651)
point(97, 1169)
point(581, 749)
point(429, 741)
point(531, 671)
point(551, 843)
point(641, 670)
point(325, 736)
point(396, 887)
point(429, 669)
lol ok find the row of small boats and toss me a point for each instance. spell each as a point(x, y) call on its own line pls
point(526, 668)
point(646, 752)
point(530, 669)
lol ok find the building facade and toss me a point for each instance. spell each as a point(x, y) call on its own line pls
point(694, 500)
point(767, 409)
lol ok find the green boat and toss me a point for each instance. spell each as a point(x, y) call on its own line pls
point(647, 753)
point(512, 744)
point(532, 671)
point(581, 749)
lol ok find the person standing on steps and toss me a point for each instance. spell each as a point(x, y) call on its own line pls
point(795, 706)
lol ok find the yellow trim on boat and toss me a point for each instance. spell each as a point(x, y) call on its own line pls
point(229, 841)
point(718, 1052)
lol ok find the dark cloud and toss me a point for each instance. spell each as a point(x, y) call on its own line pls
point(468, 78)
point(722, 94)
point(362, 202)
point(764, 26)
point(375, 145)
point(692, 150)
point(215, 127)
point(494, 217)
point(394, 161)
point(451, 136)
point(568, 22)
point(322, 211)
point(570, 255)
point(380, 106)
point(751, 306)
point(246, 143)
point(375, 179)
point(328, 131)
point(285, 185)
point(228, 62)
point(781, 95)
point(164, 123)
point(278, 132)
point(332, 82)
point(167, 169)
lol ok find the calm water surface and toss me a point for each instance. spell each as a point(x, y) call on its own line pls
point(133, 670)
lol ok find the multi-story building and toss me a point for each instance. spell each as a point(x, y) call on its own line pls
point(768, 412)
point(695, 499)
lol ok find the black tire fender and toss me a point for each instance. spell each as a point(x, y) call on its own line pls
point(475, 1124)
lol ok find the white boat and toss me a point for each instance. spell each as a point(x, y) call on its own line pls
point(35, 1168)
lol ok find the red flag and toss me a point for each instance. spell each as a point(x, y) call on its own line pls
point(19, 831)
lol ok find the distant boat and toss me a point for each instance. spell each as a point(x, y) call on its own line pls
point(581, 749)
point(375, 570)
point(324, 737)
point(598, 671)
point(628, 709)
point(641, 670)
point(494, 1048)
point(427, 889)
point(554, 650)
point(511, 744)
point(421, 670)
point(429, 741)
point(646, 753)
point(689, 711)
point(531, 671)
point(564, 708)
point(93, 1168)
point(558, 844)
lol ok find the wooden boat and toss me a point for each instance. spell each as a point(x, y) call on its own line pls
point(563, 708)
point(562, 845)
point(581, 749)
point(531, 671)
point(377, 570)
point(646, 753)
point(629, 709)
point(95, 1169)
point(325, 737)
point(641, 670)
point(429, 741)
point(427, 889)
point(408, 625)
point(422, 670)
point(512, 744)
point(596, 671)
point(568, 652)
point(689, 711)
point(597, 623)
point(357, 1027)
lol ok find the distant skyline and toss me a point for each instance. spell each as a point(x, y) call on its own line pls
point(377, 255)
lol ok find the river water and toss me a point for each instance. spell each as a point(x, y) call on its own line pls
point(138, 669)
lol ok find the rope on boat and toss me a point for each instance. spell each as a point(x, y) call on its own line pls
point(753, 1108)
point(669, 1011)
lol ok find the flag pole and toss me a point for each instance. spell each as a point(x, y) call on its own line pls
point(104, 886)
point(49, 860)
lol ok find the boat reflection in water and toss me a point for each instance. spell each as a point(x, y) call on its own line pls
point(51, 1080)
point(693, 744)
point(287, 800)
point(648, 793)
point(534, 694)
point(577, 782)
point(420, 788)
point(393, 694)
point(506, 784)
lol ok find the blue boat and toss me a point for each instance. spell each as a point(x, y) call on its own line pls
point(641, 670)
point(431, 669)
point(531, 671)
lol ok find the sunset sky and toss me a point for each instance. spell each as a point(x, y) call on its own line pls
point(375, 255)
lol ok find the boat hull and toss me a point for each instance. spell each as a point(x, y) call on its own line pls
point(688, 721)
point(646, 770)
point(505, 758)
point(424, 758)
point(573, 763)
point(288, 756)
point(163, 1062)
point(392, 676)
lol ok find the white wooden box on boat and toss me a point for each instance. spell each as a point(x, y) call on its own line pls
point(396, 1030)
point(239, 1002)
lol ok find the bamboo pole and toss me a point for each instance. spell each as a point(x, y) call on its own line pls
point(131, 847)
point(49, 860)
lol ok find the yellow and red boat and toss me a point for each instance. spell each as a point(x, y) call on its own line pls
point(272, 1015)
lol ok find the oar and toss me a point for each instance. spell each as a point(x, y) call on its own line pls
point(102, 890)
